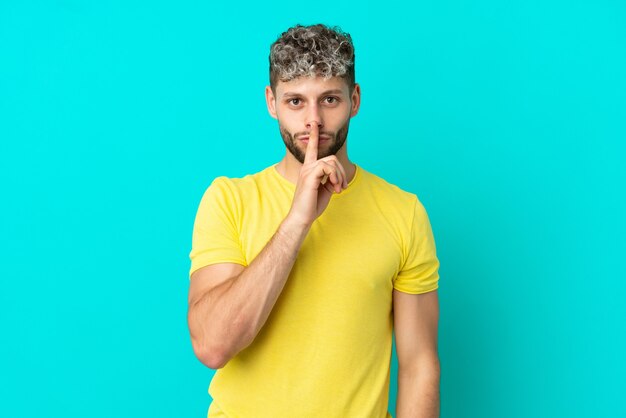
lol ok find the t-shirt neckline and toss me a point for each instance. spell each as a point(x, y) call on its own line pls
point(292, 187)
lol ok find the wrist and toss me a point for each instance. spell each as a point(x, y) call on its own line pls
point(294, 227)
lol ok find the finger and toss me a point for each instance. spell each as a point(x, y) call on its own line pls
point(311, 148)
point(336, 178)
point(331, 185)
point(328, 174)
point(329, 188)
point(334, 175)
point(342, 178)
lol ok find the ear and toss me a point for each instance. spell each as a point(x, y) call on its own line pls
point(356, 100)
point(270, 100)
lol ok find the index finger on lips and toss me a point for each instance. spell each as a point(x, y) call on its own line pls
point(311, 148)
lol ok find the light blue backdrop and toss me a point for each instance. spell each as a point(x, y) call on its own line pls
point(507, 119)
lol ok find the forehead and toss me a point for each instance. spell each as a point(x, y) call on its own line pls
point(311, 86)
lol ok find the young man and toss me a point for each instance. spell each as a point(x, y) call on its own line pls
point(301, 272)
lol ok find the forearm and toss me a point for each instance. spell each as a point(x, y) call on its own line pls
point(228, 317)
point(418, 392)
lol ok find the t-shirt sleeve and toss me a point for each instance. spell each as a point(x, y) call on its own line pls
point(215, 231)
point(420, 272)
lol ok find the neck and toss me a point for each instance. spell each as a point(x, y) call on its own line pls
point(289, 167)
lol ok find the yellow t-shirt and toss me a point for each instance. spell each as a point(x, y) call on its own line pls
point(325, 350)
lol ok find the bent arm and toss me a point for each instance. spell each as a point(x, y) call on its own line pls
point(225, 318)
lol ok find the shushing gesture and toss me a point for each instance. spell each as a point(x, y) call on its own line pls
point(317, 181)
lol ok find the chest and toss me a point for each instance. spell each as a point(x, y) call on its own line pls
point(351, 251)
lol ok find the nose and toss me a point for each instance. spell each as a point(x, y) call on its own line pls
point(313, 117)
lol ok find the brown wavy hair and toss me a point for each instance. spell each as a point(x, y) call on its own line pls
point(312, 50)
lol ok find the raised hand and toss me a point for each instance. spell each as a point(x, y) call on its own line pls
point(318, 180)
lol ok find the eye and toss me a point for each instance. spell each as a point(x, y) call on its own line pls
point(331, 99)
point(294, 101)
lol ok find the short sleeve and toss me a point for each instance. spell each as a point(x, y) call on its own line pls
point(420, 271)
point(215, 230)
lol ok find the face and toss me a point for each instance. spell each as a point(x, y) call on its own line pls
point(300, 103)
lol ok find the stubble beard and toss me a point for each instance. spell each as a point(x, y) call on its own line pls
point(336, 142)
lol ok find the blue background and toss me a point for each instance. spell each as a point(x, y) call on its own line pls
point(507, 119)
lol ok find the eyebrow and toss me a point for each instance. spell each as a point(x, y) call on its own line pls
point(334, 91)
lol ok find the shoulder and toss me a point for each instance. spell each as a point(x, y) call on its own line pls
point(401, 207)
point(388, 192)
point(229, 195)
point(235, 186)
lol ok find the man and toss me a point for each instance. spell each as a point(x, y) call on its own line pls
point(301, 272)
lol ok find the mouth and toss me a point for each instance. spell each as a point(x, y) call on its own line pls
point(321, 139)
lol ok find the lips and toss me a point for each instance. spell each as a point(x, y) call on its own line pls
point(321, 138)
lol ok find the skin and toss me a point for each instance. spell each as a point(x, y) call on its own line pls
point(416, 317)
point(307, 103)
point(238, 299)
point(229, 303)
